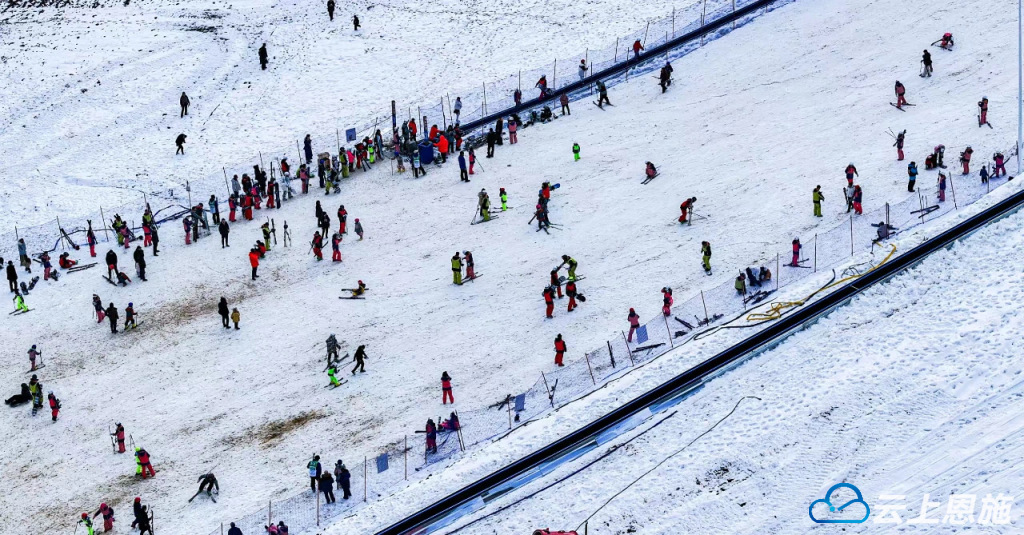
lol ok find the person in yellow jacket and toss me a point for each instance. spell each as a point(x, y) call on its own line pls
point(818, 196)
point(456, 269)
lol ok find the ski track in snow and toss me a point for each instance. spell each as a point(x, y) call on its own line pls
point(199, 397)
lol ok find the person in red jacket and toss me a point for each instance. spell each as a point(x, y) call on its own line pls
point(559, 349)
point(318, 245)
point(850, 171)
point(796, 252)
point(342, 218)
point(119, 436)
point(232, 206)
point(254, 261)
point(143, 456)
point(412, 129)
point(446, 389)
point(54, 406)
point(570, 290)
point(247, 207)
point(90, 237)
point(901, 93)
point(108, 516)
point(637, 47)
point(335, 247)
point(667, 301)
point(549, 300)
point(634, 324)
point(554, 282)
point(685, 208)
point(965, 158)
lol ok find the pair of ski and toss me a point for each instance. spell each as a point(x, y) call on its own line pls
point(650, 178)
point(474, 277)
point(333, 386)
point(984, 123)
point(478, 221)
point(549, 225)
point(709, 321)
point(18, 312)
point(81, 267)
point(799, 264)
point(758, 296)
point(353, 296)
point(899, 108)
point(602, 107)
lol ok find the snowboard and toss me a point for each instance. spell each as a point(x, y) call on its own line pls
point(37, 368)
point(563, 278)
point(80, 267)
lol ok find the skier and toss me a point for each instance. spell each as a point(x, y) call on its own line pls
point(315, 470)
point(317, 244)
point(263, 56)
point(330, 9)
point(54, 406)
point(12, 276)
point(946, 41)
point(939, 152)
point(705, 251)
point(112, 315)
point(108, 516)
point(686, 209)
point(184, 101)
point(634, 323)
point(965, 158)
point(129, 316)
point(485, 206)
point(235, 317)
point(207, 482)
point(564, 101)
point(470, 272)
point(665, 77)
point(359, 358)
point(342, 478)
point(900, 95)
point(796, 252)
point(463, 174)
point(186, 224)
point(118, 435)
point(140, 262)
point(342, 219)
point(90, 238)
point(741, 284)
point(570, 292)
point(225, 229)
point(884, 231)
point(47, 266)
point(899, 145)
point(1000, 165)
point(942, 187)
point(926, 60)
point(142, 518)
point(355, 22)
point(583, 69)
point(637, 47)
point(180, 142)
point(542, 84)
point(307, 148)
point(983, 111)
point(559, 350)
point(571, 262)
point(472, 160)
point(666, 301)
point(35, 388)
point(359, 229)
point(97, 304)
point(266, 235)
point(575, 152)
point(650, 171)
point(332, 371)
point(817, 197)
point(254, 261)
point(504, 199)
point(602, 97)
point(431, 432)
point(33, 353)
point(327, 486)
point(492, 140)
point(549, 300)
point(555, 283)
point(446, 389)
point(912, 175)
point(517, 97)
point(88, 524)
point(858, 196)
point(456, 269)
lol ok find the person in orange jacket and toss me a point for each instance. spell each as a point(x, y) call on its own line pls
point(685, 208)
point(318, 245)
point(549, 300)
point(254, 261)
point(559, 349)
point(570, 290)
point(637, 47)
point(634, 323)
point(442, 147)
point(554, 282)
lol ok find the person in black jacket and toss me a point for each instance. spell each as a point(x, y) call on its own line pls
point(111, 260)
point(330, 9)
point(184, 103)
point(234, 530)
point(180, 142)
point(327, 486)
point(315, 470)
point(359, 358)
point(156, 238)
point(113, 316)
point(222, 309)
point(12, 276)
point(140, 261)
point(207, 482)
point(343, 479)
point(224, 230)
point(492, 139)
point(139, 511)
point(263, 56)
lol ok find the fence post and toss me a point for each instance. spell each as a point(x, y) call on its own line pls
point(364, 478)
point(485, 96)
point(226, 185)
point(444, 120)
point(734, 10)
point(673, 22)
point(554, 75)
point(645, 35)
point(610, 354)
point(668, 329)
point(318, 508)
point(815, 253)
point(952, 188)
point(508, 401)
point(298, 150)
point(778, 271)
point(106, 238)
point(706, 321)
point(270, 512)
point(406, 455)
point(616, 60)
point(221, 528)
point(586, 356)
point(851, 235)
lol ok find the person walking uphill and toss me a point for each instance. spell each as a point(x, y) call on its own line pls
point(222, 309)
point(355, 23)
point(112, 316)
point(634, 323)
point(359, 358)
point(330, 9)
point(235, 317)
point(180, 142)
point(184, 101)
point(446, 389)
point(327, 486)
point(12, 276)
point(559, 350)
point(263, 56)
point(463, 173)
point(705, 251)
point(817, 197)
point(343, 479)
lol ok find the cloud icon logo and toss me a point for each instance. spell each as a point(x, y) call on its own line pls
point(843, 504)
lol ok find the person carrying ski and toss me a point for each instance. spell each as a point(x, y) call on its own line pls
point(912, 175)
point(549, 301)
point(54, 406)
point(456, 269)
point(900, 95)
point(446, 389)
point(359, 358)
point(926, 60)
point(118, 435)
point(108, 516)
point(858, 197)
point(559, 350)
point(314, 469)
point(112, 315)
point(705, 251)
point(817, 196)
point(666, 301)
point(570, 292)
point(899, 145)
point(634, 324)
point(317, 244)
point(983, 111)
point(263, 56)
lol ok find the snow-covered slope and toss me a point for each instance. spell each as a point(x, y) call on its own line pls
point(748, 129)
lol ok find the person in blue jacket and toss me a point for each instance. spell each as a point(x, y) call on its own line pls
point(463, 173)
point(912, 173)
